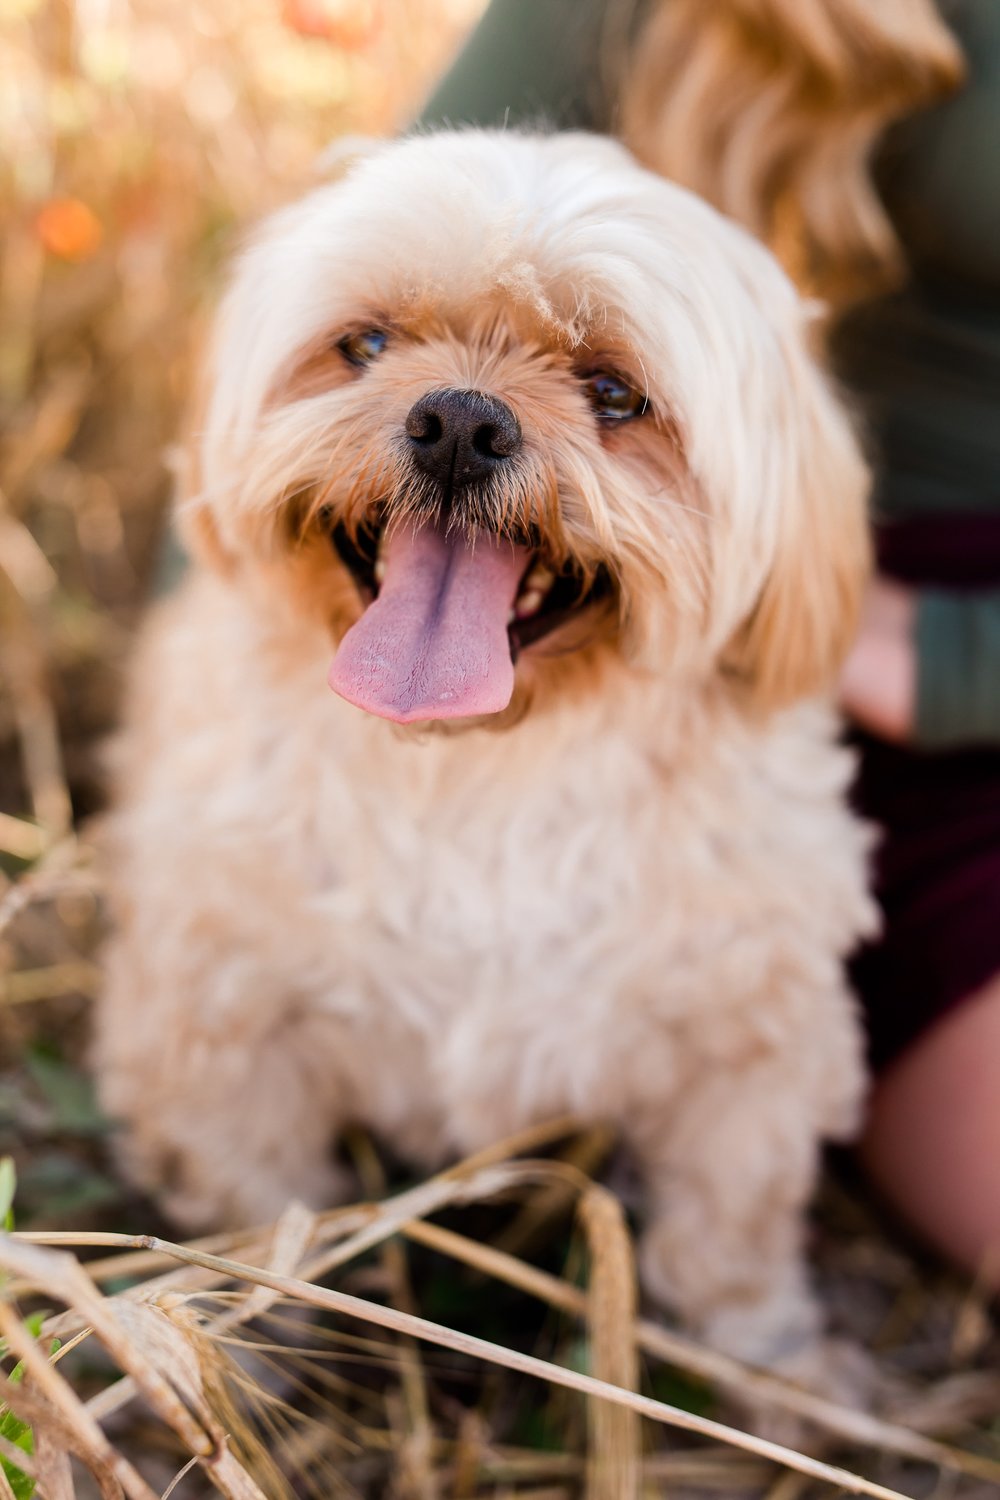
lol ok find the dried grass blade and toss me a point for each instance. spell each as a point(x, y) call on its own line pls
point(252, 1244)
point(523, 1142)
point(292, 1235)
point(61, 869)
point(25, 666)
point(55, 1477)
point(613, 1468)
point(181, 1473)
point(74, 976)
point(55, 1440)
point(388, 1218)
point(51, 1406)
point(583, 1155)
point(415, 1470)
point(19, 837)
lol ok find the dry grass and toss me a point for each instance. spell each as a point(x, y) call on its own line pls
point(259, 1398)
point(475, 1335)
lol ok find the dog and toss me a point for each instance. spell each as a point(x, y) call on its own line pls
point(534, 445)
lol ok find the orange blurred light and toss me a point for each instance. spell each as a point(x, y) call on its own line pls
point(69, 229)
point(348, 24)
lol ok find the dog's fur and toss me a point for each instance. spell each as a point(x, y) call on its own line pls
point(628, 896)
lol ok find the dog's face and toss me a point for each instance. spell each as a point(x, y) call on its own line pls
point(507, 412)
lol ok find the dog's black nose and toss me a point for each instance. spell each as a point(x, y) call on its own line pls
point(460, 437)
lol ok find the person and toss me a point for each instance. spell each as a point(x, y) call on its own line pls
point(861, 142)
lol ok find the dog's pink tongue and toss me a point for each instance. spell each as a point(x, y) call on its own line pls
point(434, 643)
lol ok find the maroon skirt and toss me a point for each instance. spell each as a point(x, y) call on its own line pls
point(937, 869)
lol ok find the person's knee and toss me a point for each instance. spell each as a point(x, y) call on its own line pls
point(933, 1137)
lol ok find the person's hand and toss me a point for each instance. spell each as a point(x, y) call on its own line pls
point(878, 684)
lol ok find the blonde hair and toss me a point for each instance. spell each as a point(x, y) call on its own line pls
point(771, 110)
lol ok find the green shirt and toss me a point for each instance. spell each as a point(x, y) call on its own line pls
point(925, 361)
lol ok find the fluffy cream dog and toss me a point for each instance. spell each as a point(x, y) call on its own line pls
point(531, 443)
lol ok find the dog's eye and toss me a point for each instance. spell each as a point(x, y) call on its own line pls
point(612, 397)
point(362, 348)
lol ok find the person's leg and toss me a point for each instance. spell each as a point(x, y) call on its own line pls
point(932, 1143)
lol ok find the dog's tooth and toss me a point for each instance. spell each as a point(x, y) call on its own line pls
point(379, 569)
point(511, 616)
point(528, 603)
point(541, 578)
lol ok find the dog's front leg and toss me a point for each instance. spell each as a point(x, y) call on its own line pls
point(227, 1100)
point(729, 1171)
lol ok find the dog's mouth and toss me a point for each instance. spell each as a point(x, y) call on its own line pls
point(447, 614)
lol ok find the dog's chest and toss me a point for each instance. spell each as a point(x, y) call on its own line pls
point(476, 918)
point(464, 868)
point(525, 881)
point(512, 925)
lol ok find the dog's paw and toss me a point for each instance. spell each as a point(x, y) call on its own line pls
point(836, 1370)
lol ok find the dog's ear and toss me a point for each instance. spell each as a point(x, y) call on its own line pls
point(200, 535)
point(804, 620)
point(196, 524)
